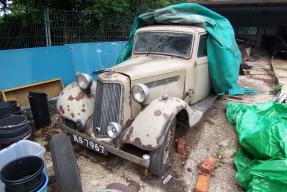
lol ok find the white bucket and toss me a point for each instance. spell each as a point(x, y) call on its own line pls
point(21, 149)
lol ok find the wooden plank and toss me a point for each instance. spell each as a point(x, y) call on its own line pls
point(33, 84)
point(51, 87)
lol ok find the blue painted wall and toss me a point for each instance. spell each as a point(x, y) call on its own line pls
point(25, 66)
point(89, 57)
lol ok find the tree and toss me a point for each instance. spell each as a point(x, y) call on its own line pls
point(4, 5)
point(125, 8)
point(71, 21)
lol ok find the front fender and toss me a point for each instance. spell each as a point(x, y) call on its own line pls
point(75, 104)
point(148, 130)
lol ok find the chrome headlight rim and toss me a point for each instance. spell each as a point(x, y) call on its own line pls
point(114, 130)
point(135, 93)
point(84, 80)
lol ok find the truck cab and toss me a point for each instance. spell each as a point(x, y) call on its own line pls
point(144, 100)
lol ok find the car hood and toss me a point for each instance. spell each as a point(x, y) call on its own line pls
point(148, 66)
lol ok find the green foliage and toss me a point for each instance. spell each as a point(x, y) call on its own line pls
point(276, 89)
point(71, 21)
point(102, 8)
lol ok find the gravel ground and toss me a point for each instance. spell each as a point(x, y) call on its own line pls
point(214, 136)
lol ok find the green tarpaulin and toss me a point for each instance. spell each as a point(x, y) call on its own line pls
point(262, 131)
point(223, 53)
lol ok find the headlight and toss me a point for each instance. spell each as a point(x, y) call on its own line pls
point(114, 130)
point(84, 80)
point(140, 93)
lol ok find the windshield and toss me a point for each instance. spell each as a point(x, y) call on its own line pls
point(165, 43)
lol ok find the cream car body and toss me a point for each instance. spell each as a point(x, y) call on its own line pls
point(175, 84)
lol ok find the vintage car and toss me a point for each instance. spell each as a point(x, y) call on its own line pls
point(137, 108)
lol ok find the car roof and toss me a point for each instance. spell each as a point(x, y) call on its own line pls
point(179, 28)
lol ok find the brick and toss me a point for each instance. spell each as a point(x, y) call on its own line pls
point(180, 146)
point(202, 183)
point(208, 165)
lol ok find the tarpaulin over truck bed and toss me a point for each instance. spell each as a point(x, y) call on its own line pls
point(262, 131)
point(224, 57)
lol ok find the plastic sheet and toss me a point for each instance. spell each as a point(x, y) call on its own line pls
point(224, 56)
point(262, 131)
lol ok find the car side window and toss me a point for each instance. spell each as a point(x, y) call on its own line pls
point(202, 48)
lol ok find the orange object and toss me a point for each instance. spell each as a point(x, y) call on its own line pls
point(202, 184)
point(180, 146)
point(208, 165)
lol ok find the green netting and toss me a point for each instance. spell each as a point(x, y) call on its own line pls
point(262, 131)
point(224, 57)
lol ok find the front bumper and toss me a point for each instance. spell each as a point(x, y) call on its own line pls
point(108, 148)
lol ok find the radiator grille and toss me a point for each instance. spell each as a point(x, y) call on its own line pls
point(108, 106)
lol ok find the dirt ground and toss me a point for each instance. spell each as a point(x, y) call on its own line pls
point(214, 136)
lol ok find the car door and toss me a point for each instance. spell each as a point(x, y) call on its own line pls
point(201, 83)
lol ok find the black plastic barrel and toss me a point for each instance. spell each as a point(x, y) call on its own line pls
point(9, 108)
point(23, 175)
point(14, 128)
point(40, 109)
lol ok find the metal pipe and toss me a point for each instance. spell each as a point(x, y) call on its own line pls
point(47, 27)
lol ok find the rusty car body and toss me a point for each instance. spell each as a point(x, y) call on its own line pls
point(143, 101)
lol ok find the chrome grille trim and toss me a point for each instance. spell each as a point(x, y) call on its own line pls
point(108, 106)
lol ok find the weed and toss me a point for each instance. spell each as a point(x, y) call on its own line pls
point(276, 89)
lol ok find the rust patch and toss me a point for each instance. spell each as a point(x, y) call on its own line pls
point(110, 72)
point(83, 105)
point(73, 115)
point(157, 112)
point(108, 75)
point(78, 114)
point(128, 135)
point(78, 97)
point(70, 98)
point(61, 109)
point(137, 142)
point(83, 110)
point(89, 122)
point(147, 135)
point(128, 123)
point(89, 125)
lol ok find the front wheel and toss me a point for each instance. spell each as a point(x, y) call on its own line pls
point(161, 158)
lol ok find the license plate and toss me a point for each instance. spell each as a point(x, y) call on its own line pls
point(88, 143)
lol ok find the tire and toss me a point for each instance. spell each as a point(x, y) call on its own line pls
point(67, 173)
point(161, 158)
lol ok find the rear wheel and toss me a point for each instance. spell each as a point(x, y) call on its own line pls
point(161, 158)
